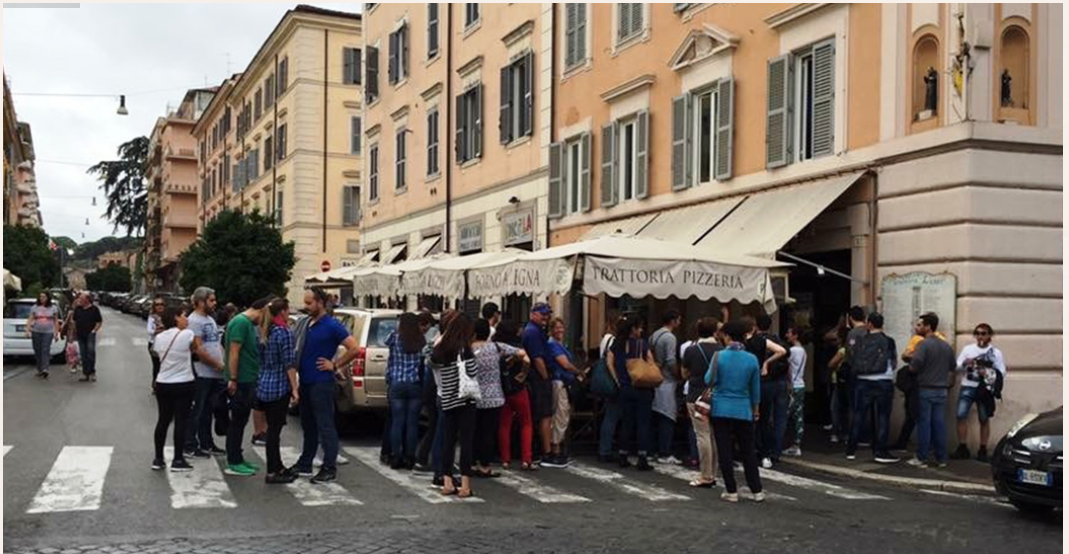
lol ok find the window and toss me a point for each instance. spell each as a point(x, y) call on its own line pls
point(281, 138)
point(279, 207)
point(569, 176)
point(574, 34)
point(226, 168)
point(471, 14)
point(269, 153)
point(354, 139)
point(469, 141)
point(259, 103)
point(401, 154)
point(269, 91)
point(573, 162)
point(432, 30)
point(350, 206)
point(283, 77)
point(629, 21)
point(351, 66)
point(625, 159)
point(702, 130)
point(398, 62)
point(373, 172)
point(517, 99)
point(252, 161)
point(432, 142)
point(371, 84)
point(801, 105)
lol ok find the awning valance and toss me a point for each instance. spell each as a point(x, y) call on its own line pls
point(385, 280)
point(445, 277)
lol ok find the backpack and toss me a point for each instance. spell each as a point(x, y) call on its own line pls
point(871, 355)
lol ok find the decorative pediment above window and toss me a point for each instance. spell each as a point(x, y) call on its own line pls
point(702, 43)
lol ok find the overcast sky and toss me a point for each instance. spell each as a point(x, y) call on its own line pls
point(151, 53)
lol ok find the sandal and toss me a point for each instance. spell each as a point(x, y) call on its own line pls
point(449, 493)
point(699, 484)
point(528, 466)
point(469, 495)
point(505, 466)
point(487, 474)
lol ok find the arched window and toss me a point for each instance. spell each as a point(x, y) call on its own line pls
point(1014, 78)
point(926, 77)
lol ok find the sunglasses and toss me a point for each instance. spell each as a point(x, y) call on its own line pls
point(981, 334)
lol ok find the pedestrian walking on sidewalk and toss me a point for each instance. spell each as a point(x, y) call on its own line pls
point(796, 359)
point(697, 360)
point(451, 357)
point(566, 376)
point(934, 363)
point(87, 322)
point(276, 387)
point(984, 370)
point(42, 327)
point(209, 370)
point(665, 348)
point(874, 365)
point(242, 360)
point(404, 381)
point(636, 404)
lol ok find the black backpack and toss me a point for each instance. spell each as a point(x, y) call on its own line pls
point(871, 355)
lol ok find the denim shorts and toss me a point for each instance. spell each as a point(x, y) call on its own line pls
point(966, 398)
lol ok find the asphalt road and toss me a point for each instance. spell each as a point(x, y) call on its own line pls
point(61, 497)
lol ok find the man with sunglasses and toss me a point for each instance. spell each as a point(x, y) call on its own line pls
point(979, 362)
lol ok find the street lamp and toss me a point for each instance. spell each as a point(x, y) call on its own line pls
point(122, 106)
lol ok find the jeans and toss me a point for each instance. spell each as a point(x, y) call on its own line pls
point(430, 402)
point(609, 422)
point(516, 405)
point(910, 420)
point(275, 412)
point(966, 398)
point(87, 346)
point(775, 400)
point(200, 417)
point(458, 425)
point(172, 401)
point(317, 424)
point(666, 429)
point(636, 406)
point(42, 343)
point(931, 424)
point(240, 408)
point(877, 396)
point(406, 402)
point(727, 432)
point(840, 409)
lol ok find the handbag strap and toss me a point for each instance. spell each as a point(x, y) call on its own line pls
point(168, 350)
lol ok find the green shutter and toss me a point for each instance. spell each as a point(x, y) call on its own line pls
point(477, 127)
point(725, 122)
point(584, 173)
point(778, 124)
point(642, 156)
point(527, 113)
point(556, 181)
point(504, 125)
point(570, 40)
point(682, 172)
point(608, 165)
point(823, 131)
point(462, 121)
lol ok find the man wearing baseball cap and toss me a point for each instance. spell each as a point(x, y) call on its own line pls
point(540, 386)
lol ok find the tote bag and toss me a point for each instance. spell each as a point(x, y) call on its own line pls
point(469, 386)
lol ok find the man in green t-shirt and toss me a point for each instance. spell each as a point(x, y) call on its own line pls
point(241, 346)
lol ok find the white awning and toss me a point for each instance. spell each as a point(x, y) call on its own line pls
point(11, 281)
point(687, 225)
point(768, 220)
point(426, 247)
point(393, 253)
point(385, 280)
point(445, 277)
point(629, 226)
point(369, 258)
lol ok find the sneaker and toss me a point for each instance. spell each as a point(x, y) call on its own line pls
point(325, 476)
point(835, 439)
point(180, 466)
point(216, 451)
point(766, 463)
point(886, 458)
point(981, 455)
point(851, 454)
point(916, 462)
point(793, 451)
point(864, 444)
point(643, 464)
point(670, 460)
point(555, 461)
point(342, 460)
point(438, 481)
point(827, 427)
point(759, 496)
point(93, 377)
point(941, 465)
point(240, 470)
point(962, 453)
point(158, 464)
point(198, 453)
point(280, 478)
point(419, 468)
point(729, 496)
point(623, 461)
point(299, 471)
point(260, 439)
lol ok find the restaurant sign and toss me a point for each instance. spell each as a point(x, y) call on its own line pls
point(518, 227)
point(682, 279)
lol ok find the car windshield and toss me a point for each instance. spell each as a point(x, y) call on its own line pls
point(381, 327)
point(17, 310)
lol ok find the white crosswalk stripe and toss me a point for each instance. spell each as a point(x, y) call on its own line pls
point(75, 482)
point(625, 484)
point(139, 342)
point(818, 486)
point(204, 487)
point(533, 489)
point(7, 449)
point(417, 485)
point(688, 475)
point(307, 493)
point(106, 341)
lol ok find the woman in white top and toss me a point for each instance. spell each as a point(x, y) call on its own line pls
point(797, 362)
point(175, 384)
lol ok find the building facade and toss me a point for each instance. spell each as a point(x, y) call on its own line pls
point(457, 129)
point(21, 202)
point(283, 138)
point(856, 141)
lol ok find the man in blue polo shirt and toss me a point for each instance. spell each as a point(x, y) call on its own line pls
point(316, 366)
point(539, 383)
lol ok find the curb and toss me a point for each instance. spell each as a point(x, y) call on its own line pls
point(910, 482)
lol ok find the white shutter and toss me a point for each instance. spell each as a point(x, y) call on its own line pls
point(584, 173)
point(608, 165)
point(682, 172)
point(778, 123)
point(823, 131)
point(725, 122)
point(642, 157)
point(556, 181)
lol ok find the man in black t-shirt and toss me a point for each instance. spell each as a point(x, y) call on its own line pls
point(775, 390)
point(87, 321)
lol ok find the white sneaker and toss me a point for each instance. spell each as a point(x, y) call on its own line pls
point(835, 439)
point(917, 462)
point(729, 496)
point(759, 497)
point(793, 451)
point(671, 460)
point(827, 427)
point(766, 463)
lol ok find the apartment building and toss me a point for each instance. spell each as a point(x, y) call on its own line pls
point(283, 137)
point(21, 203)
point(859, 142)
point(172, 190)
point(458, 119)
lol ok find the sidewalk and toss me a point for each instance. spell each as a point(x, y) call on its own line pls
point(961, 476)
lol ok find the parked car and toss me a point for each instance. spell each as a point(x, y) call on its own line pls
point(1027, 463)
point(362, 384)
point(144, 307)
point(16, 343)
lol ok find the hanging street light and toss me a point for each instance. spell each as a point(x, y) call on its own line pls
point(122, 106)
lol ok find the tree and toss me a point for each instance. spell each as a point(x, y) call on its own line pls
point(92, 250)
point(26, 254)
point(124, 186)
point(65, 242)
point(113, 278)
point(241, 256)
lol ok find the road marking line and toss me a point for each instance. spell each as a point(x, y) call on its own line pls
point(204, 487)
point(417, 485)
point(688, 475)
point(306, 492)
point(107, 341)
point(542, 493)
point(991, 501)
point(139, 341)
point(652, 493)
point(7, 449)
point(818, 486)
point(75, 482)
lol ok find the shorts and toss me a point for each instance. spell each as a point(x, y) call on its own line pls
point(541, 398)
point(966, 398)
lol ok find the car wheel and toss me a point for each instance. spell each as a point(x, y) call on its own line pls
point(1032, 509)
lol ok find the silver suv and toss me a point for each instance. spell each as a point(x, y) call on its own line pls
point(362, 384)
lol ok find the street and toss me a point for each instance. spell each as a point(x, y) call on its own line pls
point(76, 476)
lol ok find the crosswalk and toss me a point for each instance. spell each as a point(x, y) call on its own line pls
point(78, 480)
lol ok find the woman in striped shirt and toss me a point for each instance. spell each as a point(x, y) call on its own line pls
point(450, 356)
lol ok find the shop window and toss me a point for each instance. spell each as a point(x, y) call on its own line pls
point(1013, 74)
point(925, 78)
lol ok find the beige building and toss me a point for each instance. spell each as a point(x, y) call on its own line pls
point(172, 199)
point(21, 202)
point(123, 258)
point(862, 140)
point(283, 137)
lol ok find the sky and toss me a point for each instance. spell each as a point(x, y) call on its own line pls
point(152, 53)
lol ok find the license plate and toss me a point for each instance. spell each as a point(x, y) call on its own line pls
point(20, 328)
point(1033, 477)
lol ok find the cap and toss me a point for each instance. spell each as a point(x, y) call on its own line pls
point(542, 308)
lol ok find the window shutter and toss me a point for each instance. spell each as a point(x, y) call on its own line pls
point(347, 65)
point(571, 21)
point(778, 124)
point(371, 88)
point(625, 20)
point(725, 123)
point(584, 173)
point(682, 172)
point(391, 70)
point(403, 39)
point(347, 206)
point(608, 165)
point(505, 124)
point(556, 181)
point(580, 32)
point(462, 121)
point(642, 157)
point(432, 30)
point(527, 115)
point(477, 128)
point(824, 98)
point(636, 17)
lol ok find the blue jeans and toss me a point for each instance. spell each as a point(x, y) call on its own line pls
point(872, 395)
point(966, 398)
point(240, 408)
point(666, 429)
point(931, 424)
point(87, 348)
point(406, 402)
point(436, 444)
point(609, 422)
point(42, 344)
point(317, 424)
point(775, 401)
point(199, 428)
point(636, 406)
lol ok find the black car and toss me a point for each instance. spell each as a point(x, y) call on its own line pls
point(1027, 463)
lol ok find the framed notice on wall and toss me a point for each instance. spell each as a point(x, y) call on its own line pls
point(905, 297)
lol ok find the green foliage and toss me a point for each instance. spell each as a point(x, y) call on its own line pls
point(123, 181)
point(26, 254)
point(241, 256)
point(113, 278)
point(91, 250)
point(66, 242)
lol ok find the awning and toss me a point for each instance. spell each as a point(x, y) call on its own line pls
point(369, 258)
point(393, 253)
point(426, 247)
point(688, 225)
point(766, 221)
point(445, 277)
point(629, 226)
point(385, 281)
point(339, 276)
point(11, 281)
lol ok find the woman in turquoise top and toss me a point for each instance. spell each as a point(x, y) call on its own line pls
point(735, 379)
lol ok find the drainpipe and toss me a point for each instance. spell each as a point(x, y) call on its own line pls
point(450, 136)
point(326, 65)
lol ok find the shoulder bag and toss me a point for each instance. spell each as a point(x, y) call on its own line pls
point(644, 374)
point(468, 389)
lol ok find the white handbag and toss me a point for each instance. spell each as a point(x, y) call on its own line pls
point(469, 386)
